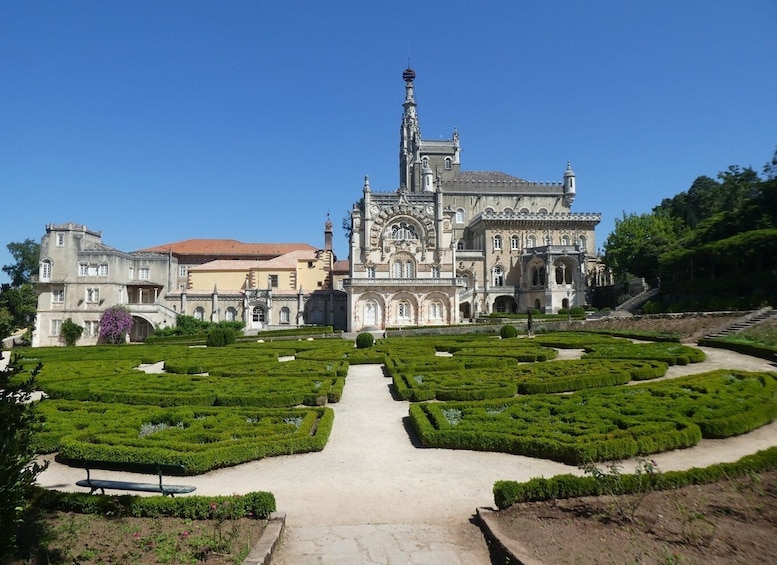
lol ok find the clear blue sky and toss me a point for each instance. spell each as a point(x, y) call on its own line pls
point(157, 121)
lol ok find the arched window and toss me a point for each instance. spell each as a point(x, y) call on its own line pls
point(531, 241)
point(257, 314)
point(460, 245)
point(537, 304)
point(199, 313)
point(515, 243)
point(402, 231)
point(497, 242)
point(448, 163)
point(403, 311)
point(460, 217)
point(230, 315)
point(563, 274)
point(564, 240)
point(538, 276)
point(285, 315)
point(499, 276)
point(370, 313)
point(582, 243)
point(44, 274)
point(435, 310)
point(403, 269)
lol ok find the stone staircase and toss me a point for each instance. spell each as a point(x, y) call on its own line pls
point(636, 302)
point(743, 322)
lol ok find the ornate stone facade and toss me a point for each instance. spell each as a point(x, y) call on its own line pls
point(450, 245)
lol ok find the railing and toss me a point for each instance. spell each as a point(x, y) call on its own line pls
point(404, 282)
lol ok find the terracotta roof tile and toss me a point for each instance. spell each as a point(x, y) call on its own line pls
point(226, 247)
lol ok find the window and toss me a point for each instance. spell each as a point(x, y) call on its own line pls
point(285, 315)
point(447, 163)
point(514, 243)
point(144, 273)
point(531, 241)
point(131, 273)
point(92, 328)
point(501, 305)
point(538, 276)
point(45, 270)
point(497, 243)
point(403, 311)
point(60, 240)
point(56, 326)
point(58, 295)
point(199, 313)
point(92, 295)
point(181, 271)
point(311, 264)
point(403, 269)
point(370, 272)
point(582, 242)
point(83, 269)
point(564, 240)
point(460, 245)
point(257, 314)
point(435, 272)
point(402, 231)
point(435, 310)
point(103, 270)
point(499, 276)
point(273, 280)
point(230, 315)
point(460, 217)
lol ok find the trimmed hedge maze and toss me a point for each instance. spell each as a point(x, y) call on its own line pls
point(200, 438)
point(215, 407)
point(608, 423)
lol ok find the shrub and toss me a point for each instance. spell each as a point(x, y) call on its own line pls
point(19, 422)
point(364, 340)
point(115, 324)
point(70, 332)
point(216, 337)
point(508, 331)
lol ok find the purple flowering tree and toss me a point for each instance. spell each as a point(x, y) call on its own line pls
point(115, 324)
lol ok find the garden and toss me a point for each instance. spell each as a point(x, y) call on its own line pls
point(213, 407)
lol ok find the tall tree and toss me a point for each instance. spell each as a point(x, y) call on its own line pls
point(27, 255)
point(635, 244)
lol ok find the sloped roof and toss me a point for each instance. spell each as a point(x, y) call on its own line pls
point(226, 247)
point(341, 266)
point(286, 261)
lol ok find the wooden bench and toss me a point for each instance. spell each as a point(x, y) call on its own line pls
point(145, 468)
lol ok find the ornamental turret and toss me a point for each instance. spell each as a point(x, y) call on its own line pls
point(569, 185)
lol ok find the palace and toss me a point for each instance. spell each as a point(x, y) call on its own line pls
point(449, 245)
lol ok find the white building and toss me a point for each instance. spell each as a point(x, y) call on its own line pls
point(450, 245)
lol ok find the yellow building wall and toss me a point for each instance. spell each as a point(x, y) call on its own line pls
point(224, 280)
